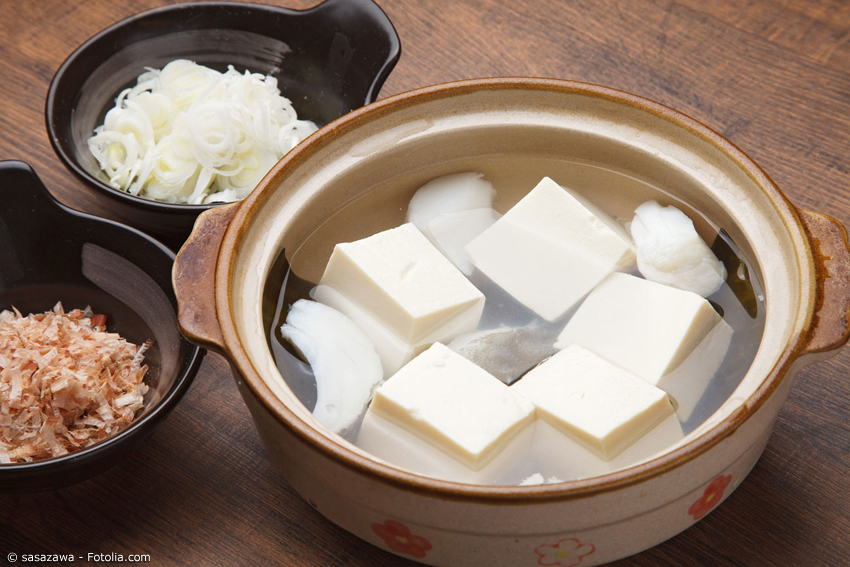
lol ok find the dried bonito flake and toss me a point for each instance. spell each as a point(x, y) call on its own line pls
point(65, 383)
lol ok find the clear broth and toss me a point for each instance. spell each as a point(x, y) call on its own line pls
point(740, 301)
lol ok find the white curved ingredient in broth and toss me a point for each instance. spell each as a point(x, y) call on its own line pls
point(451, 211)
point(451, 232)
point(190, 134)
point(344, 362)
point(670, 251)
point(449, 194)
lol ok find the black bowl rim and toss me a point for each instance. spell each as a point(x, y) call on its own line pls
point(138, 428)
point(172, 11)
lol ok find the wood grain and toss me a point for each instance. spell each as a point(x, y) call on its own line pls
point(773, 76)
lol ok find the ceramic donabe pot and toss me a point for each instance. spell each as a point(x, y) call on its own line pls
point(373, 159)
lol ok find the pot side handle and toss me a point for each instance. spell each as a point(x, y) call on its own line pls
point(830, 328)
point(193, 278)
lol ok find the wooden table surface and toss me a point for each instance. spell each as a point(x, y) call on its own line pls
point(773, 76)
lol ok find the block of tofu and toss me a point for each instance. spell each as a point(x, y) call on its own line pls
point(649, 329)
point(403, 281)
point(594, 402)
point(397, 446)
point(688, 382)
point(550, 249)
point(452, 405)
point(559, 455)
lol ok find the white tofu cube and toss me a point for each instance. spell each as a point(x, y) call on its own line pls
point(559, 455)
point(650, 329)
point(398, 446)
point(550, 249)
point(595, 403)
point(687, 383)
point(451, 404)
point(403, 281)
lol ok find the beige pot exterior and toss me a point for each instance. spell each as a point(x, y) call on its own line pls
point(221, 273)
point(633, 518)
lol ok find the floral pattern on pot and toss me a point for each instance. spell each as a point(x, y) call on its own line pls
point(711, 497)
point(566, 553)
point(400, 539)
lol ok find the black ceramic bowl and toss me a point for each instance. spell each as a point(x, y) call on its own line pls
point(329, 60)
point(51, 253)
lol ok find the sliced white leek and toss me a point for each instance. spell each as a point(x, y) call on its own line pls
point(449, 194)
point(343, 359)
point(190, 134)
point(451, 211)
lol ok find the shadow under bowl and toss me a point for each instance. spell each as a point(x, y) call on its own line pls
point(50, 253)
point(328, 60)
